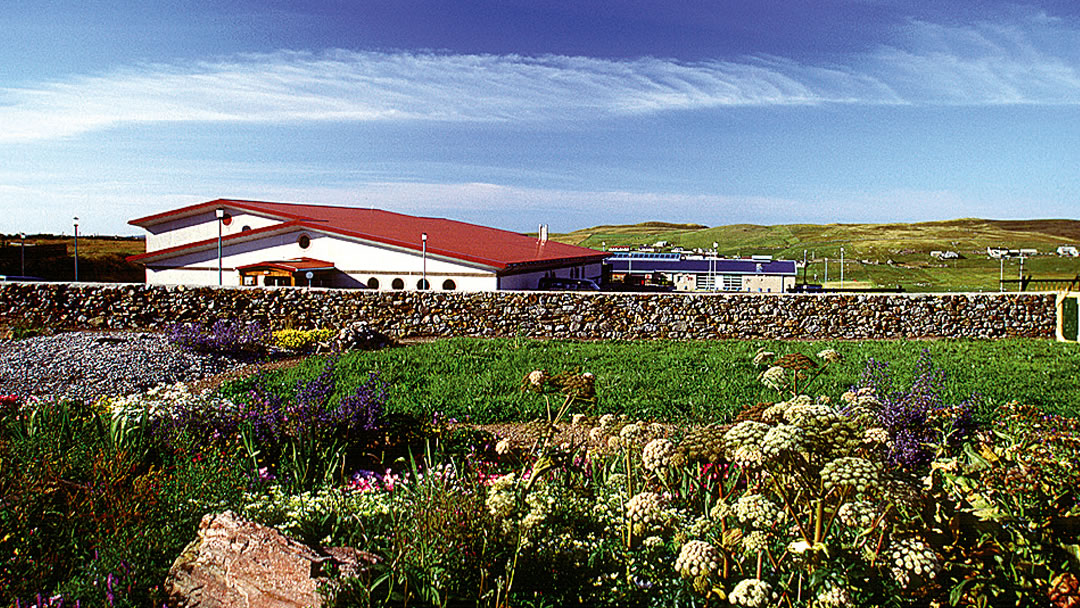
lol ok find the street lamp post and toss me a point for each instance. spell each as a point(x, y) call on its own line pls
point(220, 214)
point(22, 254)
point(76, 249)
point(423, 281)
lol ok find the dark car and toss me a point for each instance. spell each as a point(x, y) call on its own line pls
point(637, 287)
point(561, 284)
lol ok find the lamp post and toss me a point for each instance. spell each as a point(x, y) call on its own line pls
point(423, 280)
point(76, 249)
point(1001, 274)
point(22, 254)
point(220, 214)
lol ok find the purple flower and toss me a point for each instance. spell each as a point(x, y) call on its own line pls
point(917, 417)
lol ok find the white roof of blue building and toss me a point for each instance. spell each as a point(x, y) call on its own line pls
point(672, 265)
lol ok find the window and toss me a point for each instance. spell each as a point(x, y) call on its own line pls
point(704, 282)
point(245, 228)
point(449, 285)
point(249, 280)
point(397, 284)
point(373, 283)
point(423, 284)
point(732, 282)
point(304, 241)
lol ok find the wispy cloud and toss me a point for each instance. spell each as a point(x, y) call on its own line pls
point(369, 86)
point(1025, 61)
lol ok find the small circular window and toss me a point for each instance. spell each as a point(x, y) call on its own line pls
point(304, 241)
point(398, 284)
point(373, 283)
point(245, 228)
point(423, 284)
point(449, 285)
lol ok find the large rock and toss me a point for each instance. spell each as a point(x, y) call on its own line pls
point(235, 563)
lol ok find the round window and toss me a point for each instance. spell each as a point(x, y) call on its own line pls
point(304, 241)
point(448, 285)
point(423, 284)
point(398, 284)
point(245, 228)
point(373, 283)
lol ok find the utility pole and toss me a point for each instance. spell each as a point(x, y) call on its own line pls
point(22, 254)
point(826, 271)
point(841, 268)
point(76, 249)
point(1001, 273)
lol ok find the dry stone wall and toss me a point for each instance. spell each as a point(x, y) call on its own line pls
point(621, 316)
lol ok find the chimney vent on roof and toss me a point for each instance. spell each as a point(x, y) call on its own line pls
point(543, 233)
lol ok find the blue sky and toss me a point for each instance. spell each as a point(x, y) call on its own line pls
point(515, 112)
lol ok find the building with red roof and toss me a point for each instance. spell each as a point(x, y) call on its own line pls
point(264, 243)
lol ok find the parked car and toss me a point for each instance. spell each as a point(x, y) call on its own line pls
point(561, 284)
point(637, 287)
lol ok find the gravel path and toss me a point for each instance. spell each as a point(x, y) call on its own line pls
point(88, 365)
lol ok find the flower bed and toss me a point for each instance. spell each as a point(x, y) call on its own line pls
point(887, 495)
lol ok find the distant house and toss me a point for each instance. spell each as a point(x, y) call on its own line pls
point(264, 243)
point(763, 275)
point(946, 255)
point(1004, 252)
point(1068, 251)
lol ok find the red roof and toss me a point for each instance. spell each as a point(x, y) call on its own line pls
point(291, 265)
point(500, 249)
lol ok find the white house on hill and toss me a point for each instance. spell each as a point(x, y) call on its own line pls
point(263, 243)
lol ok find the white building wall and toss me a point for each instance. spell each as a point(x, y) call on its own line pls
point(357, 263)
point(200, 227)
point(767, 283)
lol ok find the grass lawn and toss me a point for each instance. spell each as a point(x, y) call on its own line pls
point(695, 382)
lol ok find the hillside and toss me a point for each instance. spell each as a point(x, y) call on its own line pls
point(868, 248)
point(51, 257)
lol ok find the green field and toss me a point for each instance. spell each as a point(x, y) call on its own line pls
point(101, 258)
point(479, 380)
point(869, 248)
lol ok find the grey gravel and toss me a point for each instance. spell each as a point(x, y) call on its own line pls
point(88, 365)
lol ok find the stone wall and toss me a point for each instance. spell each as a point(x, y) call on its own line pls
point(408, 314)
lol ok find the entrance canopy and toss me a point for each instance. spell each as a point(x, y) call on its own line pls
point(287, 272)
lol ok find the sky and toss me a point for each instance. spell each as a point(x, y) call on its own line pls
point(512, 113)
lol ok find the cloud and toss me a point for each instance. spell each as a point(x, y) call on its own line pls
point(371, 86)
point(1027, 60)
point(1030, 61)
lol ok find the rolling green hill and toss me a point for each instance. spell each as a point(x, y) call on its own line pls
point(868, 248)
